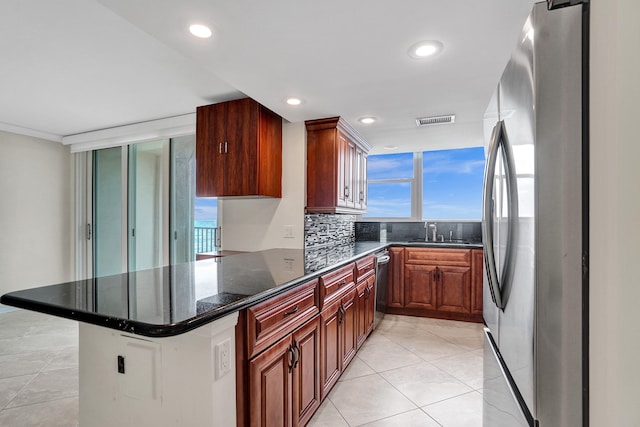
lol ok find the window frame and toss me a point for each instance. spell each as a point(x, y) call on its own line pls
point(416, 192)
point(417, 186)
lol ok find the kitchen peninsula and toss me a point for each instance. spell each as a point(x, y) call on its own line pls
point(167, 346)
point(157, 347)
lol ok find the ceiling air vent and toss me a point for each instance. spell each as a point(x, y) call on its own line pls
point(435, 120)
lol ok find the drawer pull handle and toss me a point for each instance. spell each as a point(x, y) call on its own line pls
point(289, 313)
point(342, 282)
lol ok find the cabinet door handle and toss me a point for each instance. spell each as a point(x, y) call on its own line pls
point(292, 357)
point(297, 351)
point(226, 147)
point(361, 196)
point(346, 191)
point(289, 313)
point(220, 147)
point(367, 292)
point(341, 313)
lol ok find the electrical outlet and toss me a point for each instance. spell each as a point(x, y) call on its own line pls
point(288, 232)
point(223, 358)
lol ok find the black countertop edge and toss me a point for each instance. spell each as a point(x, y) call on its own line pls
point(432, 245)
point(172, 329)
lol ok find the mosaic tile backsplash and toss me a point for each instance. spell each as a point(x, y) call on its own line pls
point(328, 230)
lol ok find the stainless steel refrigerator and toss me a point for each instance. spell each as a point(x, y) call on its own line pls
point(535, 227)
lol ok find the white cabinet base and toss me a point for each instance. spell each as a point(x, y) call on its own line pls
point(185, 380)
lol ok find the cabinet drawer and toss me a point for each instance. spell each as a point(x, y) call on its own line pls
point(458, 257)
point(364, 267)
point(334, 283)
point(271, 320)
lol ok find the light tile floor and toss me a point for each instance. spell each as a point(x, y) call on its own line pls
point(410, 372)
point(38, 370)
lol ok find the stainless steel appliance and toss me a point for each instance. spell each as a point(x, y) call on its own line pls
point(381, 265)
point(535, 227)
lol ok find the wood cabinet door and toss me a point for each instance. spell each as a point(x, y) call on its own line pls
point(361, 179)
point(306, 372)
point(349, 339)
point(370, 304)
point(241, 148)
point(361, 312)
point(330, 355)
point(395, 284)
point(350, 175)
point(210, 156)
point(270, 386)
point(454, 289)
point(477, 266)
point(420, 286)
point(343, 183)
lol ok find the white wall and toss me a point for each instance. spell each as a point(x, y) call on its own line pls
point(35, 212)
point(257, 224)
point(615, 211)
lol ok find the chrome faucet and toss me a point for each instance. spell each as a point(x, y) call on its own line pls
point(434, 231)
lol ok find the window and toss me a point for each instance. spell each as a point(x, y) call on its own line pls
point(452, 184)
point(390, 184)
point(429, 185)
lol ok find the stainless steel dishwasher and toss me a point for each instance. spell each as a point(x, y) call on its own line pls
point(382, 266)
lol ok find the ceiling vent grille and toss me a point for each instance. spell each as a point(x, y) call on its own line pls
point(435, 120)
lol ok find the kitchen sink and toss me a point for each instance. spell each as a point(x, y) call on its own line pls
point(446, 242)
point(455, 243)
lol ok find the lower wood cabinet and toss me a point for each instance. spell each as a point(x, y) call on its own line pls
point(420, 287)
point(284, 386)
point(338, 338)
point(270, 386)
point(289, 354)
point(395, 286)
point(477, 266)
point(366, 307)
point(443, 283)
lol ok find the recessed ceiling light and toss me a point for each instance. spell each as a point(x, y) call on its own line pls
point(294, 101)
point(367, 120)
point(201, 31)
point(390, 147)
point(424, 49)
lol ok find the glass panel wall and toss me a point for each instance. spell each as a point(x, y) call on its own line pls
point(107, 212)
point(183, 189)
point(145, 207)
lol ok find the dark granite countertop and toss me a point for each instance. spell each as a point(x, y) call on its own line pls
point(175, 299)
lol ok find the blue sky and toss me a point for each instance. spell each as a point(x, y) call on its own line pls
point(206, 209)
point(452, 184)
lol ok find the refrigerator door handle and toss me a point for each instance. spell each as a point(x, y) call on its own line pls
point(487, 217)
point(500, 287)
point(512, 209)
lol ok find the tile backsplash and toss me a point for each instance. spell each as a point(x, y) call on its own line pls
point(470, 231)
point(328, 230)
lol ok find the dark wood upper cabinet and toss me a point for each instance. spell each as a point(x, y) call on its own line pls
point(336, 167)
point(238, 150)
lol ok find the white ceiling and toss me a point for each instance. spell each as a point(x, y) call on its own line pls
point(73, 66)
